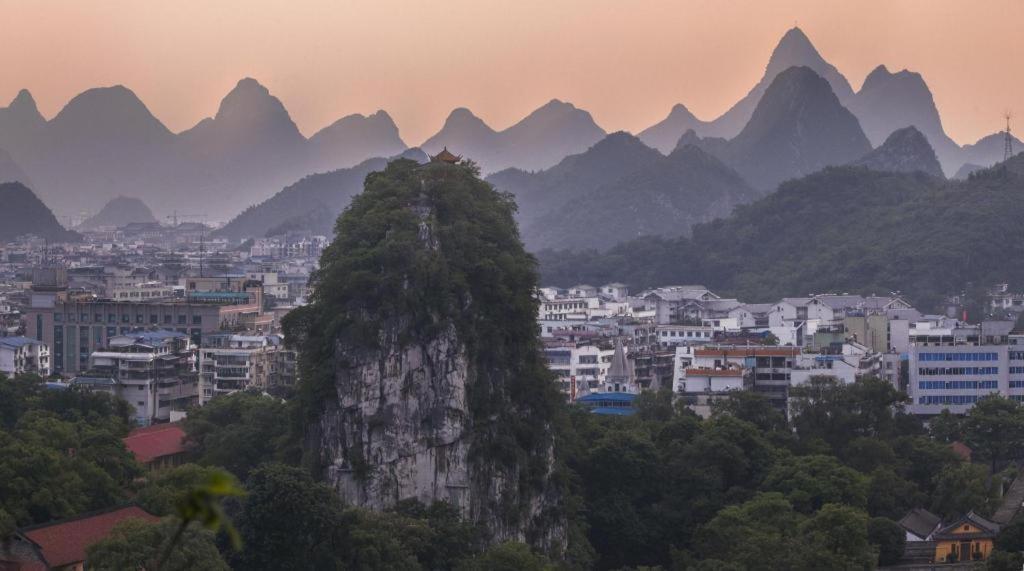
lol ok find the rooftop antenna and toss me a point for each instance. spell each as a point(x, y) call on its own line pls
point(1008, 148)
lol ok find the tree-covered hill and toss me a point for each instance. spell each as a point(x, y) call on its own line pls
point(844, 229)
point(621, 189)
point(687, 187)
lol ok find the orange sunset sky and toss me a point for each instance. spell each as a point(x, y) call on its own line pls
point(625, 62)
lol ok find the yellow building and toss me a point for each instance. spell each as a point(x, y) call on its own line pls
point(967, 539)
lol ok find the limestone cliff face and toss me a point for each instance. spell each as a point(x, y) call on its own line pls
point(431, 399)
point(397, 428)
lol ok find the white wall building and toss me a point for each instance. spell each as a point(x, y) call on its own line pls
point(20, 355)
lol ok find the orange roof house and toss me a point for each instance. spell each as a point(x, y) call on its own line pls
point(157, 446)
point(62, 544)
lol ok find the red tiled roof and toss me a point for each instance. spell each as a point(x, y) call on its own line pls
point(64, 543)
point(152, 442)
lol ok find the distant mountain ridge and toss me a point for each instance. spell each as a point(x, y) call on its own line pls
point(538, 141)
point(105, 143)
point(885, 102)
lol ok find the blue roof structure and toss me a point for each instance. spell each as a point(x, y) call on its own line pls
point(614, 404)
point(16, 342)
point(613, 397)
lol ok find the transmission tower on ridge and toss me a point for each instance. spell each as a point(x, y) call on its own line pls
point(1008, 148)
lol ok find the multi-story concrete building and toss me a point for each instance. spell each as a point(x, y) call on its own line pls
point(768, 369)
point(954, 377)
point(74, 330)
point(230, 363)
point(155, 371)
point(20, 355)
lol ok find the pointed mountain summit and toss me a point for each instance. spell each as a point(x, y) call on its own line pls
point(119, 211)
point(798, 127)
point(462, 130)
point(353, 139)
point(890, 101)
point(906, 150)
point(248, 115)
point(21, 111)
point(104, 142)
point(21, 126)
point(112, 116)
point(555, 130)
point(547, 135)
point(665, 134)
point(250, 148)
point(793, 50)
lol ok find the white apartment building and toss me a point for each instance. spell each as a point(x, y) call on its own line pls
point(672, 335)
point(579, 368)
point(230, 363)
point(155, 371)
point(19, 355)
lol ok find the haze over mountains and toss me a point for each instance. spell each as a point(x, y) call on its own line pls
point(886, 102)
point(538, 141)
point(840, 229)
point(105, 142)
point(311, 204)
point(23, 213)
point(906, 150)
point(119, 212)
point(798, 127)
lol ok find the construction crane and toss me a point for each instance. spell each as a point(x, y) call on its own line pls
point(174, 217)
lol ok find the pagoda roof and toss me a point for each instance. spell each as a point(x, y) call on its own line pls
point(445, 156)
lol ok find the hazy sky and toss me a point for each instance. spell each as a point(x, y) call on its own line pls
point(625, 62)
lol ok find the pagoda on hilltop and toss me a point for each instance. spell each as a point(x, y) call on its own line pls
point(445, 156)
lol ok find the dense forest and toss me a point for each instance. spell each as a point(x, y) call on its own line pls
point(744, 489)
point(844, 229)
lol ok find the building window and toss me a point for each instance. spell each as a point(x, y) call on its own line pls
point(197, 320)
point(182, 320)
